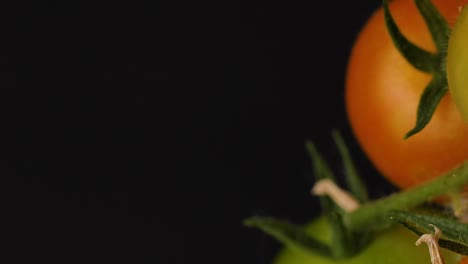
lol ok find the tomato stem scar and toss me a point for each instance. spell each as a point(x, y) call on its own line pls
point(341, 197)
point(432, 242)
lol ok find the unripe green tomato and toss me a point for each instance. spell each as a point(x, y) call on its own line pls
point(395, 245)
point(457, 62)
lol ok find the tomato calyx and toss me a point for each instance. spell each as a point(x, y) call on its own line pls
point(353, 230)
point(424, 60)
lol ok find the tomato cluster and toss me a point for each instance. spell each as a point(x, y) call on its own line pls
point(382, 96)
point(383, 91)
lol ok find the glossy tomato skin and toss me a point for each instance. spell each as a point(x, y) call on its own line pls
point(382, 95)
point(393, 246)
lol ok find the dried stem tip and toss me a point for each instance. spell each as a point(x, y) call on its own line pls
point(432, 242)
point(342, 198)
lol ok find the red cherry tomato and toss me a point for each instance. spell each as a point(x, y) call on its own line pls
point(382, 95)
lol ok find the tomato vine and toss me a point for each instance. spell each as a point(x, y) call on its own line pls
point(354, 230)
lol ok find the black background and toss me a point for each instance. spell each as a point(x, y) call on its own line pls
point(144, 132)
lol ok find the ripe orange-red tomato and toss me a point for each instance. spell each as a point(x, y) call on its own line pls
point(464, 260)
point(382, 95)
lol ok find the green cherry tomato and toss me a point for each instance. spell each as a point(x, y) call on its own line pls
point(457, 62)
point(395, 245)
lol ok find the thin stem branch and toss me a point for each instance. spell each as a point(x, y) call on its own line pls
point(376, 211)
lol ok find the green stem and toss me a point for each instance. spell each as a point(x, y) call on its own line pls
point(374, 214)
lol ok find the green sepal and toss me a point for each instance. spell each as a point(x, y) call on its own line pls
point(341, 239)
point(428, 102)
point(423, 60)
point(454, 233)
point(344, 242)
point(321, 169)
point(356, 185)
point(419, 58)
point(438, 87)
point(435, 22)
point(290, 235)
